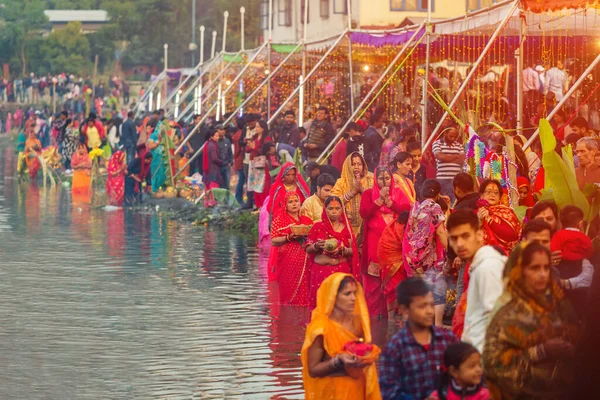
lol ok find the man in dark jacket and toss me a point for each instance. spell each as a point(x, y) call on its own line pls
point(464, 190)
point(129, 136)
point(288, 134)
point(374, 138)
point(225, 155)
point(321, 133)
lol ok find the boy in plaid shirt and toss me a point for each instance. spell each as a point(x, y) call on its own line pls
point(412, 359)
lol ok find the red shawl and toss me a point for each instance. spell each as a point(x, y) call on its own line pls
point(277, 192)
point(324, 230)
point(503, 227)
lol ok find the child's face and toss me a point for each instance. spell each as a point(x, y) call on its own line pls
point(421, 310)
point(271, 151)
point(470, 371)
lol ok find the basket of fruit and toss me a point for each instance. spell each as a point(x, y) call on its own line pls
point(301, 230)
point(170, 193)
point(185, 192)
point(159, 194)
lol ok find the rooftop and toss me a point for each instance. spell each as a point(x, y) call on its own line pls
point(55, 16)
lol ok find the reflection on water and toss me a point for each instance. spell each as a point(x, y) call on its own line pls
point(122, 305)
point(111, 305)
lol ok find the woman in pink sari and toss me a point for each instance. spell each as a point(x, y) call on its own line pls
point(115, 182)
point(379, 207)
point(332, 247)
point(291, 259)
point(425, 243)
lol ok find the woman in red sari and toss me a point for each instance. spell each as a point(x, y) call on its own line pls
point(288, 180)
point(291, 259)
point(332, 247)
point(379, 207)
point(391, 261)
point(500, 224)
point(501, 227)
point(115, 182)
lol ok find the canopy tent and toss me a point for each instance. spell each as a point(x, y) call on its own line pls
point(554, 5)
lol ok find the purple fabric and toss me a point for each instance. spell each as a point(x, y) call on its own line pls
point(174, 74)
point(393, 39)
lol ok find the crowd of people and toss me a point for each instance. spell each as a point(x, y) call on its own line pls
point(492, 302)
point(70, 93)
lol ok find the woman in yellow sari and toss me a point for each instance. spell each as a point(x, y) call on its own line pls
point(355, 179)
point(82, 171)
point(329, 370)
point(33, 148)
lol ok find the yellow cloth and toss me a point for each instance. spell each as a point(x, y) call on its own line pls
point(363, 384)
point(344, 185)
point(407, 187)
point(312, 208)
point(93, 138)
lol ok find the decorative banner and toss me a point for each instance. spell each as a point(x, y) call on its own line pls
point(553, 5)
point(375, 40)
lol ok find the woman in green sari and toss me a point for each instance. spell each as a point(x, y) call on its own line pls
point(529, 346)
point(158, 167)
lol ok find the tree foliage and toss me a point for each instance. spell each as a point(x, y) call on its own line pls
point(137, 31)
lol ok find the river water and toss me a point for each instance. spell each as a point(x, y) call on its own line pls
point(122, 305)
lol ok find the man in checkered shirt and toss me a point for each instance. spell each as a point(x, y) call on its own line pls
point(413, 358)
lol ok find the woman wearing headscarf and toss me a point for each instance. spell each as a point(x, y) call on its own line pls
point(332, 367)
point(331, 246)
point(32, 151)
point(355, 179)
point(288, 180)
point(291, 266)
point(525, 193)
point(426, 241)
point(530, 341)
point(115, 181)
point(391, 263)
point(500, 224)
point(82, 170)
point(379, 207)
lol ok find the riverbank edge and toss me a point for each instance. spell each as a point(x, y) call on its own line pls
point(185, 211)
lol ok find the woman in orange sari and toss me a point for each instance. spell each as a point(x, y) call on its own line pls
point(33, 148)
point(115, 182)
point(391, 263)
point(332, 247)
point(290, 259)
point(329, 371)
point(82, 170)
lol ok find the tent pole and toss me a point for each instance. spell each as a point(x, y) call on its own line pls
point(462, 88)
point(572, 90)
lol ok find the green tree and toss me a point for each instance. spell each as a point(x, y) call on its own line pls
point(20, 23)
point(67, 50)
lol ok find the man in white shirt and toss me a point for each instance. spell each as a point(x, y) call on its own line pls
point(556, 79)
point(531, 80)
point(486, 265)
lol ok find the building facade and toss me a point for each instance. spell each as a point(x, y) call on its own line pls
point(327, 18)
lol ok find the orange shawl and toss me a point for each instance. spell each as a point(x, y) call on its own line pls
point(363, 384)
